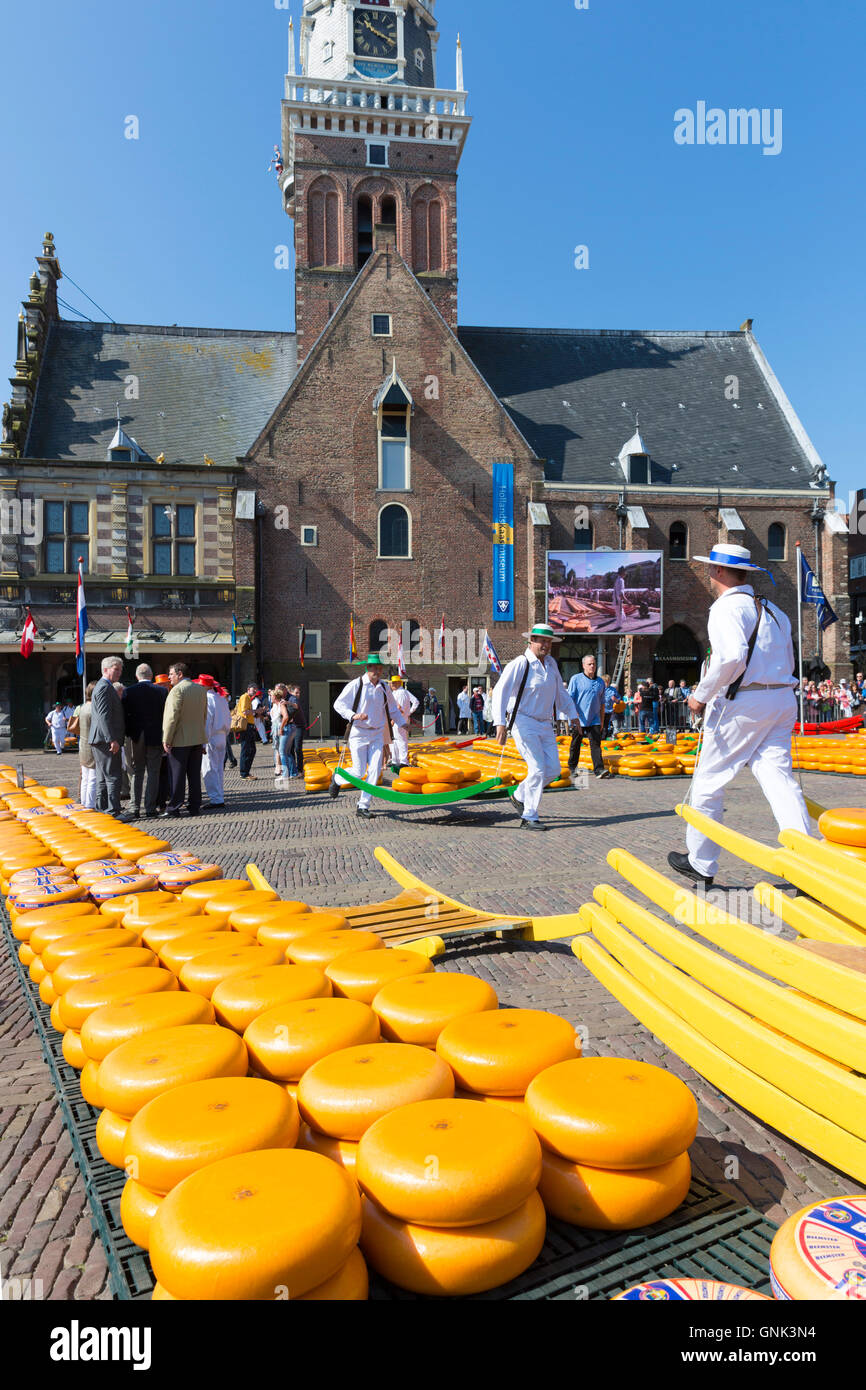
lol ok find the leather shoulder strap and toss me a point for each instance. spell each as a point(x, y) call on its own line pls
point(523, 681)
point(731, 692)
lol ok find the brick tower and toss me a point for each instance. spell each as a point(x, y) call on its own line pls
point(371, 148)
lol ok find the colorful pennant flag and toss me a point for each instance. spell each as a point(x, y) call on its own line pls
point(442, 638)
point(234, 630)
point(302, 645)
point(130, 640)
point(401, 664)
point(353, 650)
point(28, 636)
point(490, 652)
point(81, 624)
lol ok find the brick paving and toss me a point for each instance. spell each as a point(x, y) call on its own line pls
point(317, 850)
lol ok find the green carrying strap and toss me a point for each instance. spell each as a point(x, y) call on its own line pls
point(408, 799)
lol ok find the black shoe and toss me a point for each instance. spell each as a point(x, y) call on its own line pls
point(680, 862)
point(334, 789)
point(604, 773)
point(532, 825)
point(169, 815)
point(365, 815)
point(193, 813)
point(136, 814)
point(126, 816)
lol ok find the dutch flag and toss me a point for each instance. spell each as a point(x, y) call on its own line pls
point(81, 624)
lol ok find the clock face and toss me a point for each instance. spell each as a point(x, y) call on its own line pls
point(375, 34)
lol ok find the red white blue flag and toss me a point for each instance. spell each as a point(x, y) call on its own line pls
point(490, 653)
point(401, 664)
point(81, 623)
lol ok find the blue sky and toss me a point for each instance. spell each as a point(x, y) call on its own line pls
point(572, 144)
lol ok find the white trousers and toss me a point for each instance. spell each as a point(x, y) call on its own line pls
point(366, 754)
point(400, 750)
point(213, 769)
point(753, 731)
point(88, 788)
point(536, 743)
point(260, 730)
point(59, 739)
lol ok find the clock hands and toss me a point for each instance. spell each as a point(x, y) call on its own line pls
point(386, 38)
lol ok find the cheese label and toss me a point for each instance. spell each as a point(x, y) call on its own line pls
point(831, 1239)
point(687, 1290)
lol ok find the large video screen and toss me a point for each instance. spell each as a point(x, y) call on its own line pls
point(609, 593)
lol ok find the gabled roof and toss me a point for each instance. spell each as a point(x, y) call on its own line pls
point(200, 390)
point(575, 394)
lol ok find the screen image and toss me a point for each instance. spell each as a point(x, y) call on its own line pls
point(608, 592)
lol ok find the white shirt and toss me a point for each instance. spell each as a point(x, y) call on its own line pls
point(618, 589)
point(463, 704)
point(372, 704)
point(543, 695)
point(219, 719)
point(731, 623)
point(405, 701)
point(57, 719)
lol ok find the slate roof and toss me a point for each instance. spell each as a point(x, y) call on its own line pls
point(565, 392)
point(201, 390)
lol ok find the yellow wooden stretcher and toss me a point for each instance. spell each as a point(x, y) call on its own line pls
point(421, 918)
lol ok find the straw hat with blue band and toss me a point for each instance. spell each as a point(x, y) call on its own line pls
point(732, 557)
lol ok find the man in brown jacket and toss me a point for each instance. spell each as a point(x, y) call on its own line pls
point(183, 736)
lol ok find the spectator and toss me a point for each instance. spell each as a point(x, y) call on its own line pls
point(653, 696)
point(642, 708)
point(80, 726)
point(488, 712)
point(613, 707)
point(588, 691)
point(259, 711)
point(56, 722)
point(476, 709)
point(184, 729)
point(144, 706)
point(299, 730)
point(107, 732)
point(281, 719)
point(243, 724)
point(276, 722)
point(217, 724)
point(464, 701)
point(433, 708)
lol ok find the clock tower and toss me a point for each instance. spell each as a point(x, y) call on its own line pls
point(371, 147)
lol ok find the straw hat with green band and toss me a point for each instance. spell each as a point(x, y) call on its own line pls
point(544, 630)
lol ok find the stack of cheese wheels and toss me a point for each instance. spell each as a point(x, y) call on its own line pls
point(191, 1126)
point(82, 981)
point(615, 1135)
point(220, 907)
point(495, 1055)
point(285, 1041)
point(820, 1252)
point(273, 929)
point(323, 947)
point(152, 1062)
point(417, 1008)
point(237, 956)
point(361, 974)
point(688, 1291)
point(250, 918)
point(274, 1224)
point(178, 950)
point(344, 1093)
point(451, 1206)
point(240, 998)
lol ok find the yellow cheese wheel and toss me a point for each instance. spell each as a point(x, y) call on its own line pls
point(516, 1104)
point(820, 1252)
point(77, 944)
point(360, 975)
point(56, 1021)
point(437, 788)
point(180, 1131)
point(220, 908)
point(688, 1290)
point(136, 905)
point(605, 1199)
point(88, 1080)
point(182, 876)
point(421, 1163)
point(92, 870)
point(25, 955)
point(36, 970)
point(47, 992)
point(346, 1092)
point(144, 1067)
point(172, 927)
point(150, 863)
point(342, 1151)
point(79, 1002)
point(239, 999)
point(175, 954)
point(435, 1261)
point(110, 1134)
point(252, 1226)
point(611, 1112)
point(416, 775)
point(285, 1041)
point(351, 1284)
point(284, 931)
point(845, 825)
point(415, 1010)
point(51, 895)
point(203, 973)
point(250, 919)
point(138, 1207)
point(203, 891)
point(321, 948)
point(39, 928)
point(112, 1024)
point(73, 1052)
point(399, 784)
point(24, 877)
point(499, 1053)
point(93, 965)
point(120, 886)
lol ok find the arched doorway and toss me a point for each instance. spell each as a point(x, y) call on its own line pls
point(677, 657)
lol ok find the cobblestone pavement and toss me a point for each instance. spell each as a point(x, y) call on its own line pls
point(317, 850)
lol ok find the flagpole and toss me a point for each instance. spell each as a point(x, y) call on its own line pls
point(77, 624)
point(800, 629)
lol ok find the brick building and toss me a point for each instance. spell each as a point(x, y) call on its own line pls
point(354, 458)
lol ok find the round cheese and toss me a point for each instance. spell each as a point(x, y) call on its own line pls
point(176, 953)
point(603, 1199)
point(52, 923)
point(351, 1284)
point(221, 907)
point(845, 825)
point(78, 943)
point(342, 1151)
point(112, 1024)
point(345, 1093)
point(73, 1052)
point(110, 1134)
point(83, 999)
point(415, 1010)
point(203, 973)
point(688, 1291)
point(138, 1207)
point(92, 965)
point(250, 919)
point(500, 1053)
point(820, 1252)
point(238, 999)
point(285, 1041)
point(321, 948)
point(282, 931)
point(144, 1067)
point(361, 974)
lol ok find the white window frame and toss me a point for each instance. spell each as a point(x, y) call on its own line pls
point(397, 490)
point(679, 559)
point(383, 144)
point(327, 50)
point(315, 632)
point(778, 559)
point(379, 555)
point(304, 532)
point(373, 318)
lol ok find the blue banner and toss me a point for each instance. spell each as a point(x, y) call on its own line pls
point(811, 592)
point(503, 543)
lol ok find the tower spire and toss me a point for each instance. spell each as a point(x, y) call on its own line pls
point(459, 86)
point(292, 70)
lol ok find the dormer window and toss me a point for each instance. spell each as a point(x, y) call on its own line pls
point(123, 448)
point(634, 460)
point(638, 468)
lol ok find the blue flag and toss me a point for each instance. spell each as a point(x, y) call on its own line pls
point(811, 592)
point(234, 631)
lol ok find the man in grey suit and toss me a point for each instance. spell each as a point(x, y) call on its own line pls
point(107, 732)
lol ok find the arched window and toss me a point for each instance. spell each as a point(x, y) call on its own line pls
point(394, 533)
point(427, 239)
point(364, 248)
point(678, 541)
point(324, 226)
point(776, 542)
point(583, 537)
point(378, 635)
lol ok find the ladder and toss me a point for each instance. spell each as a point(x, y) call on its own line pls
point(623, 657)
